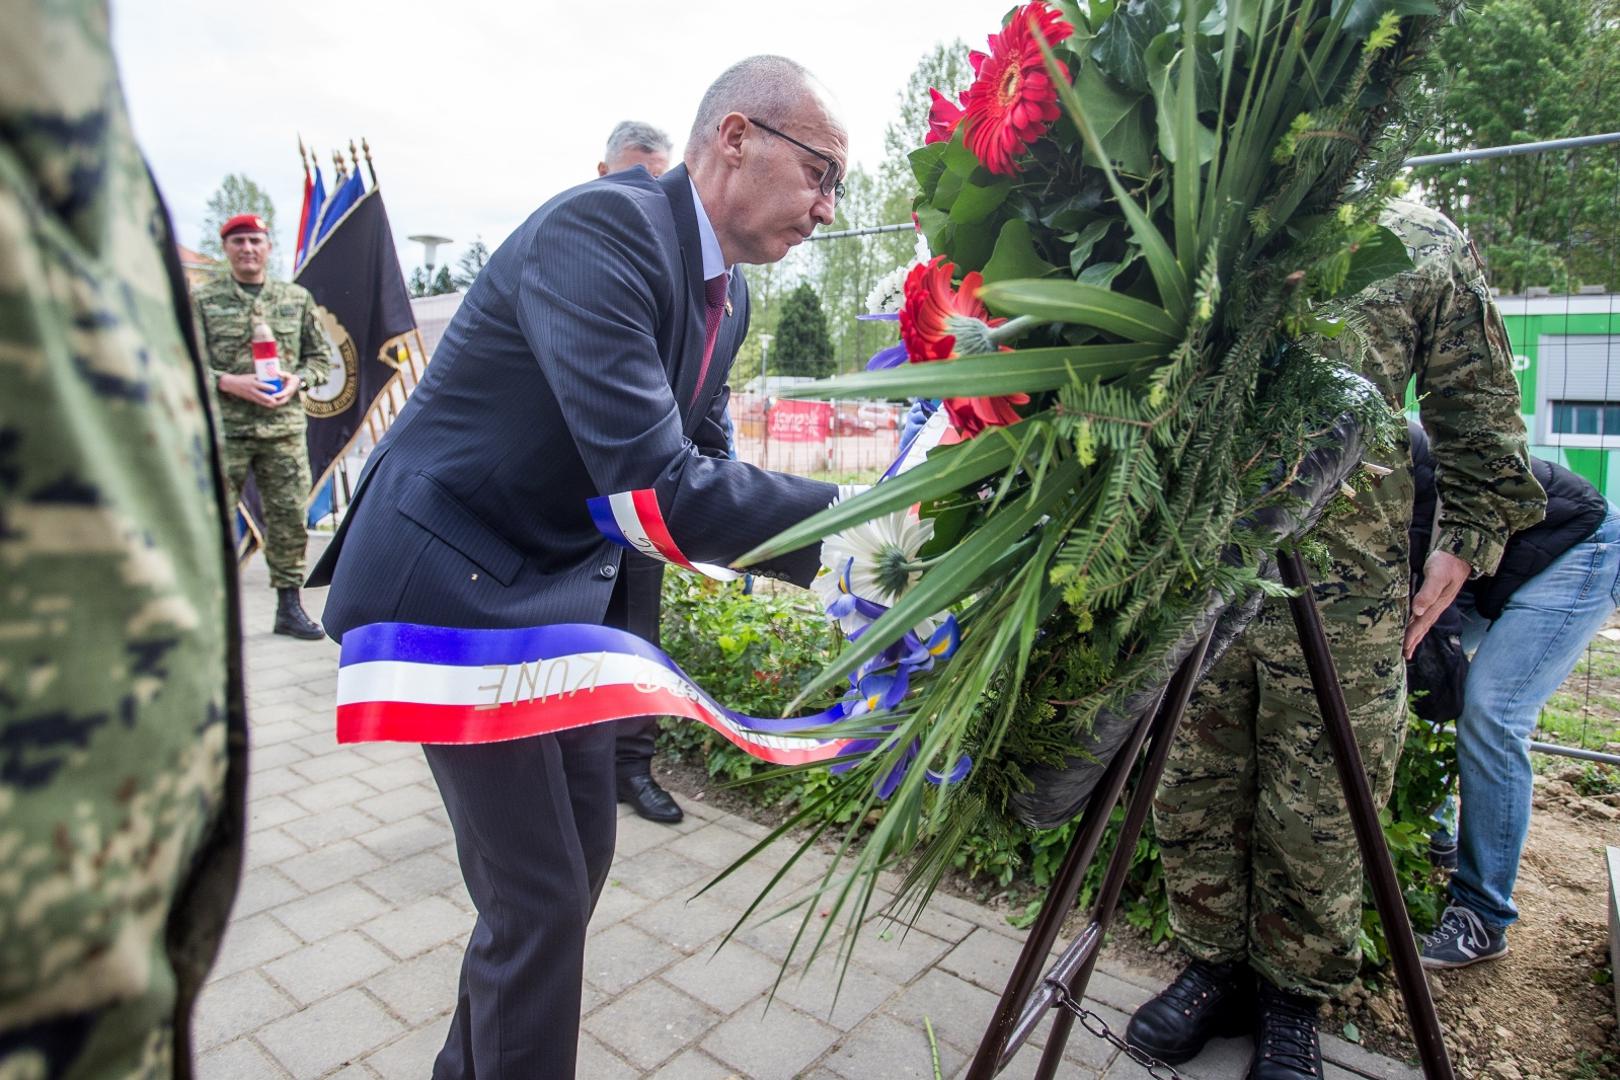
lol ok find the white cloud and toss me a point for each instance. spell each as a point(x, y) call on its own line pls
point(477, 110)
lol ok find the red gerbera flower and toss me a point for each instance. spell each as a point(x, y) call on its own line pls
point(925, 329)
point(943, 116)
point(1012, 100)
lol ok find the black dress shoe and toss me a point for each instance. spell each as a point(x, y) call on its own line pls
point(291, 619)
point(649, 800)
point(1286, 1046)
point(1205, 1001)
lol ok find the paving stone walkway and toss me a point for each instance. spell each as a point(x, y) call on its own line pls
point(343, 949)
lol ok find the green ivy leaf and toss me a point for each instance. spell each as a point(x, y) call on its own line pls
point(1122, 127)
point(1123, 41)
point(1015, 255)
point(974, 202)
point(1351, 1032)
point(927, 165)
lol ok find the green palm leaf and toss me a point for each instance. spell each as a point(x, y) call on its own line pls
point(1026, 371)
point(1084, 305)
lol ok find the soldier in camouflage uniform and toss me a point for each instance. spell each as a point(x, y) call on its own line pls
point(121, 725)
point(264, 427)
point(1260, 859)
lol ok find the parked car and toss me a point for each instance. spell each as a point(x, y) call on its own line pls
point(864, 418)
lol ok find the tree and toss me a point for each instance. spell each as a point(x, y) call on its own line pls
point(1523, 70)
point(237, 194)
point(845, 270)
point(802, 346)
point(471, 262)
point(420, 285)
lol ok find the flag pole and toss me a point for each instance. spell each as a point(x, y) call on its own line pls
point(303, 156)
point(354, 156)
point(365, 148)
point(337, 166)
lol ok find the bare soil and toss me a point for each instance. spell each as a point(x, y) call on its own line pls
point(1546, 1010)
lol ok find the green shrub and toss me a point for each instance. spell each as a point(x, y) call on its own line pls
point(754, 653)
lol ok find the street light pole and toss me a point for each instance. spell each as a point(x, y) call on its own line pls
point(765, 339)
point(430, 250)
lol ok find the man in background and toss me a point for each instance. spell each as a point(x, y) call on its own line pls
point(122, 735)
point(264, 423)
point(634, 143)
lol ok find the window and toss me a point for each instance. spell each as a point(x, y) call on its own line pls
point(1584, 418)
point(1577, 391)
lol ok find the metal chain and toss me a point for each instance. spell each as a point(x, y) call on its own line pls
point(1099, 1027)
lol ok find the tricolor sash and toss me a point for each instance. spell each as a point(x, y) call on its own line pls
point(400, 682)
point(633, 519)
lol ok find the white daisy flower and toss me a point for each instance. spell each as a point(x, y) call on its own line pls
point(872, 562)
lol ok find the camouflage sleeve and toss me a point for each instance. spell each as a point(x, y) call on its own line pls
point(201, 325)
point(1469, 400)
point(315, 354)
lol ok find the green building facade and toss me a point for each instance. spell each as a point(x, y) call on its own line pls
point(1566, 352)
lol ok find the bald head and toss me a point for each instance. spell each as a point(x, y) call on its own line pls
point(767, 154)
point(770, 87)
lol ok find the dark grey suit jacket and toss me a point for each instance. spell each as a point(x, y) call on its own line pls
point(569, 371)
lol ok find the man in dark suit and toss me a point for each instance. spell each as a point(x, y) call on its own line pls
point(590, 357)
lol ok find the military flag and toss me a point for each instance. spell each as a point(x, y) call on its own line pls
point(348, 263)
point(314, 203)
point(348, 193)
point(354, 275)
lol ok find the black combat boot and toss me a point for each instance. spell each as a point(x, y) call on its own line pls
point(1286, 1046)
point(1205, 1001)
point(291, 620)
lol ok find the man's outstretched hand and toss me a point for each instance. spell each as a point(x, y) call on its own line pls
point(1443, 577)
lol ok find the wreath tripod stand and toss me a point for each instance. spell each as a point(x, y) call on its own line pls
point(1027, 997)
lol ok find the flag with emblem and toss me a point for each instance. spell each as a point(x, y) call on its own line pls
point(353, 273)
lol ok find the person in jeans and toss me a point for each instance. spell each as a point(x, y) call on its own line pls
point(1526, 626)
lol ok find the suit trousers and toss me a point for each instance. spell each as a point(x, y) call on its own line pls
point(534, 821)
point(633, 750)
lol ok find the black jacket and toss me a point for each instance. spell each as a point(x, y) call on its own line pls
point(1574, 511)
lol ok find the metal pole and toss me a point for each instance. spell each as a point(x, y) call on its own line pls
point(1574, 752)
point(1055, 907)
point(1010, 1018)
point(1130, 830)
point(1514, 150)
point(865, 230)
point(1364, 816)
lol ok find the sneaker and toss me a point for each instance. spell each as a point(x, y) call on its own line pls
point(1462, 938)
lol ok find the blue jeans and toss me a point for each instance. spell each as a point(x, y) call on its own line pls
point(1520, 661)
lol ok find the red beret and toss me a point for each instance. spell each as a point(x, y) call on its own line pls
point(243, 223)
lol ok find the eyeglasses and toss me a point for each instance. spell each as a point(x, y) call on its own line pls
point(830, 183)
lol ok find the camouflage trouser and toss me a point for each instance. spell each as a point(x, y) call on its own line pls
point(281, 470)
point(1260, 859)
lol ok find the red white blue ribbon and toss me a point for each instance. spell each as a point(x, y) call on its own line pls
point(400, 682)
point(633, 519)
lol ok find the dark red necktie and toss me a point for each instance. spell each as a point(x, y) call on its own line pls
point(714, 294)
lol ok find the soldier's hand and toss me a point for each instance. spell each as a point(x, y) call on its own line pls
point(1443, 577)
point(249, 388)
point(289, 387)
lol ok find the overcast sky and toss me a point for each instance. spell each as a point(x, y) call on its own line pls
point(477, 110)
